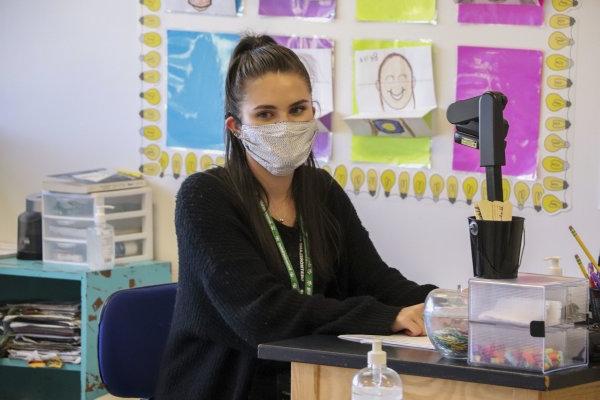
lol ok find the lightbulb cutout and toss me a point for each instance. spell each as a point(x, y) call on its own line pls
point(150, 169)
point(452, 188)
point(554, 164)
point(191, 163)
point(552, 204)
point(357, 177)
point(555, 184)
point(404, 184)
point(206, 162)
point(152, 151)
point(372, 182)
point(151, 59)
point(340, 174)
point(151, 132)
point(469, 187)
point(436, 185)
point(388, 181)
point(554, 143)
point(176, 164)
point(522, 192)
point(537, 193)
point(419, 184)
point(164, 162)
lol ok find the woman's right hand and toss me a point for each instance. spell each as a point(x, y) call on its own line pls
point(410, 321)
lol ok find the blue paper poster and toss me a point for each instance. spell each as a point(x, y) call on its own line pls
point(197, 67)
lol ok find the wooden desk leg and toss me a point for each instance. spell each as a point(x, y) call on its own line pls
point(305, 381)
point(319, 382)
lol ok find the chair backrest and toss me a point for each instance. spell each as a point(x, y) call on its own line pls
point(133, 329)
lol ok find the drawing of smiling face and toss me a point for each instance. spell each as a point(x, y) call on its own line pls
point(395, 81)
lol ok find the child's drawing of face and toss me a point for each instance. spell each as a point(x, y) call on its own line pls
point(395, 81)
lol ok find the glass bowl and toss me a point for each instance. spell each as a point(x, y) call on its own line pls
point(446, 318)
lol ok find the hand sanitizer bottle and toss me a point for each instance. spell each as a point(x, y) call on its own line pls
point(554, 267)
point(376, 382)
point(100, 242)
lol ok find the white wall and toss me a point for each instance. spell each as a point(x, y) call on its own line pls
point(68, 100)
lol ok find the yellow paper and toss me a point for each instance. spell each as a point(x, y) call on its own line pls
point(414, 152)
point(396, 10)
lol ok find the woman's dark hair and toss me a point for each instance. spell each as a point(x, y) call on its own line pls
point(253, 57)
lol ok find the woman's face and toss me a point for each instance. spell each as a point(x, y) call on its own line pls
point(395, 82)
point(276, 97)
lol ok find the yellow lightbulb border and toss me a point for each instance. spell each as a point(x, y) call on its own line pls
point(184, 165)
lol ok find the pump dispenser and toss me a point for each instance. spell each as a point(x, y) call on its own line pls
point(101, 242)
point(554, 267)
point(377, 381)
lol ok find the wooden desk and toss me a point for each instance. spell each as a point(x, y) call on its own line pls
point(323, 367)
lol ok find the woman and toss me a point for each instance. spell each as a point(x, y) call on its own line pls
point(270, 247)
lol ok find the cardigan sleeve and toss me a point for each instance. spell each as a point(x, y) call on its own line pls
point(369, 274)
point(216, 249)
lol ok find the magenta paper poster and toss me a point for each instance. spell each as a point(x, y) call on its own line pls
point(506, 14)
point(323, 9)
point(516, 73)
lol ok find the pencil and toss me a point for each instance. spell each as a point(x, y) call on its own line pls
point(581, 267)
point(585, 250)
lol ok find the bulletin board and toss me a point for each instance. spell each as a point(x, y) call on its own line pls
point(183, 70)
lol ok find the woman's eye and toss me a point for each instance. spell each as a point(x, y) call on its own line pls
point(297, 110)
point(264, 115)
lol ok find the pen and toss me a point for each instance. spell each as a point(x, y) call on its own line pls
point(585, 250)
point(581, 266)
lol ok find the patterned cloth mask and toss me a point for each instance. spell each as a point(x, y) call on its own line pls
point(281, 147)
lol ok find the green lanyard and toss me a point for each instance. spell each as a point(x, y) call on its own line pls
point(304, 255)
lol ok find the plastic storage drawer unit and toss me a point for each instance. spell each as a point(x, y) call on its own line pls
point(528, 323)
point(67, 216)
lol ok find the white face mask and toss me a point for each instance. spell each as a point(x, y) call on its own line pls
point(281, 147)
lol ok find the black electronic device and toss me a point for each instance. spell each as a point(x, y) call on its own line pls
point(480, 124)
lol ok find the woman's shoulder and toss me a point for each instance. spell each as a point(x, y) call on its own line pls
point(207, 187)
point(332, 193)
point(330, 186)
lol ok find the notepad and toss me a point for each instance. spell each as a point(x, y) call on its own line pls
point(420, 342)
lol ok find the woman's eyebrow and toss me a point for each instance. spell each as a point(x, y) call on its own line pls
point(265, 107)
point(299, 102)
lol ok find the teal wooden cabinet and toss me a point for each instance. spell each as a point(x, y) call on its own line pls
point(34, 280)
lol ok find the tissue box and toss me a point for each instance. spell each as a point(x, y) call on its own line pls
point(528, 323)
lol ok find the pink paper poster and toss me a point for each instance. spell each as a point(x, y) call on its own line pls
point(518, 74)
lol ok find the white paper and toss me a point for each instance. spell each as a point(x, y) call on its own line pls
point(94, 176)
point(203, 7)
point(394, 81)
point(318, 62)
point(421, 342)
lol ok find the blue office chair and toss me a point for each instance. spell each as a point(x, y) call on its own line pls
point(132, 334)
